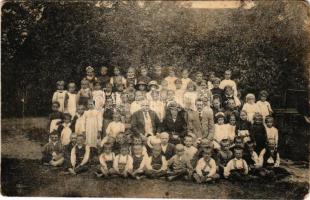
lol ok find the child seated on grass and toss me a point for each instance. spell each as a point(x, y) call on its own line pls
point(206, 168)
point(179, 165)
point(237, 168)
point(123, 163)
point(80, 155)
point(68, 149)
point(251, 158)
point(52, 153)
point(139, 161)
point(106, 160)
point(224, 155)
point(189, 149)
point(269, 159)
point(137, 140)
point(156, 165)
point(167, 148)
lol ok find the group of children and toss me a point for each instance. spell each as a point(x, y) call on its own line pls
point(92, 127)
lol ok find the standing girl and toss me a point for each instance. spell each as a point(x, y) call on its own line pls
point(93, 124)
point(117, 78)
point(98, 97)
point(191, 95)
point(250, 107)
point(60, 95)
point(263, 105)
point(71, 101)
point(84, 94)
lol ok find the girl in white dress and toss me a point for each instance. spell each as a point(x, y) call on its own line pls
point(185, 79)
point(71, 101)
point(60, 95)
point(221, 131)
point(93, 124)
point(250, 107)
point(98, 97)
point(115, 127)
point(191, 95)
point(264, 105)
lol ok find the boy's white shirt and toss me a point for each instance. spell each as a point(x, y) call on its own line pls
point(230, 166)
point(149, 161)
point(202, 166)
point(104, 157)
point(121, 158)
point(270, 160)
point(272, 134)
point(86, 156)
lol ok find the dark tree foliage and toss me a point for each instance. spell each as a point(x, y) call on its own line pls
point(266, 46)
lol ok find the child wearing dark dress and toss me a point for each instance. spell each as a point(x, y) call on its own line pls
point(258, 133)
point(243, 127)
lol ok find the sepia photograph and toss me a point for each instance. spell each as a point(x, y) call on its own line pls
point(155, 99)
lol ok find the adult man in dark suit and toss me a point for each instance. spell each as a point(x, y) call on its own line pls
point(201, 122)
point(145, 122)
